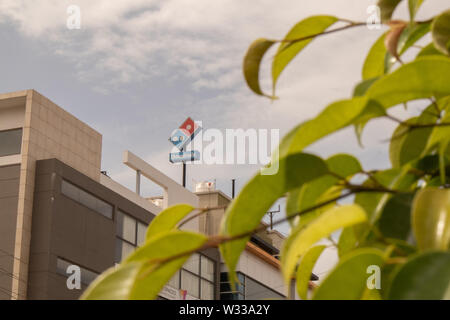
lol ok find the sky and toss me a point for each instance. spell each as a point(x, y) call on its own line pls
point(136, 69)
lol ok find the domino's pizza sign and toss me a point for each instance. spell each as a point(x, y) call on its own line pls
point(181, 137)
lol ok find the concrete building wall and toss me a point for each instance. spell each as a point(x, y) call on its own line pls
point(48, 132)
point(261, 271)
point(9, 191)
point(66, 229)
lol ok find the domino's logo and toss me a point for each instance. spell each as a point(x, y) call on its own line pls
point(182, 136)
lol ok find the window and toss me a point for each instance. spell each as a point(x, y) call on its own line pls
point(207, 290)
point(126, 227)
point(256, 291)
point(141, 232)
point(10, 142)
point(247, 289)
point(226, 292)
point(193, 264)
point(175, 281)
point(77, 194)
point(190, 283)
point(87, 276)
point(130, 234)
point(207, 267)
point(197, 277)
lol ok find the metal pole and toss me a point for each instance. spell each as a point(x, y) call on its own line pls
point(233, 184)
point(138, 182)
point(184, 174)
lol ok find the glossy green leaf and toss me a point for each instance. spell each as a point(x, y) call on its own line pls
point(395, 218)
point(394, 179)
point(413, 7)
point(305, 269)
point(114, 284)
point(374, 65)
point(439, 134)
point(349, 279)
point(153, 276)
point(387, 8)
point(252, 61)
point(425, 277)
point(429, 50)
point(408, 144)
point(167, 219)
point(411, 35)
point(307, 196)
point(335, 117)
point(372, 110)
point(347, 241)
point(299, 242)
point(431, 219)
point(144, 273)
point(246, 211)
point(362, 87)
point(289, 50)
point(441, 32)
point(423, 78)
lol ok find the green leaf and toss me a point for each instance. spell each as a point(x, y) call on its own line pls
point(374, 202)
point(387, 8)
point(431, 219)
point(374, 65)
point(423, 78)
point(440, 29)
point(336, 116)
point(246, 211)
point(114, 284)
point(347, 241)
point(252, 61)
point(412, 34)
point(429, 50)
point(372, 110)
point(439, 135)
point(362, 87)
point(154, 275)
point(167, 219)
point(305, 269)
point(395, 218)
point(307, 195)
point(409, 144)
point(289, 50)
point(425, 277)
point(349, 279)
point(413, 6)
point(299, 242)
point(144, 273)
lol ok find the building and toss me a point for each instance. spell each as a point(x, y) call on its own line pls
point(57, 209)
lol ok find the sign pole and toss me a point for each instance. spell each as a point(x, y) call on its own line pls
point(184, 174)
point(181, 137)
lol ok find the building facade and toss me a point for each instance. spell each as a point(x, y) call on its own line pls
point(58, 210)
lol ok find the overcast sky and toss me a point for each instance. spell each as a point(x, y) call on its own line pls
point(137, 68)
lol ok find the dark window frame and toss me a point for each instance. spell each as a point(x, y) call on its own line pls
point(137, 222)
point(21, 141)
point(81, 203)
point(199, 276)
